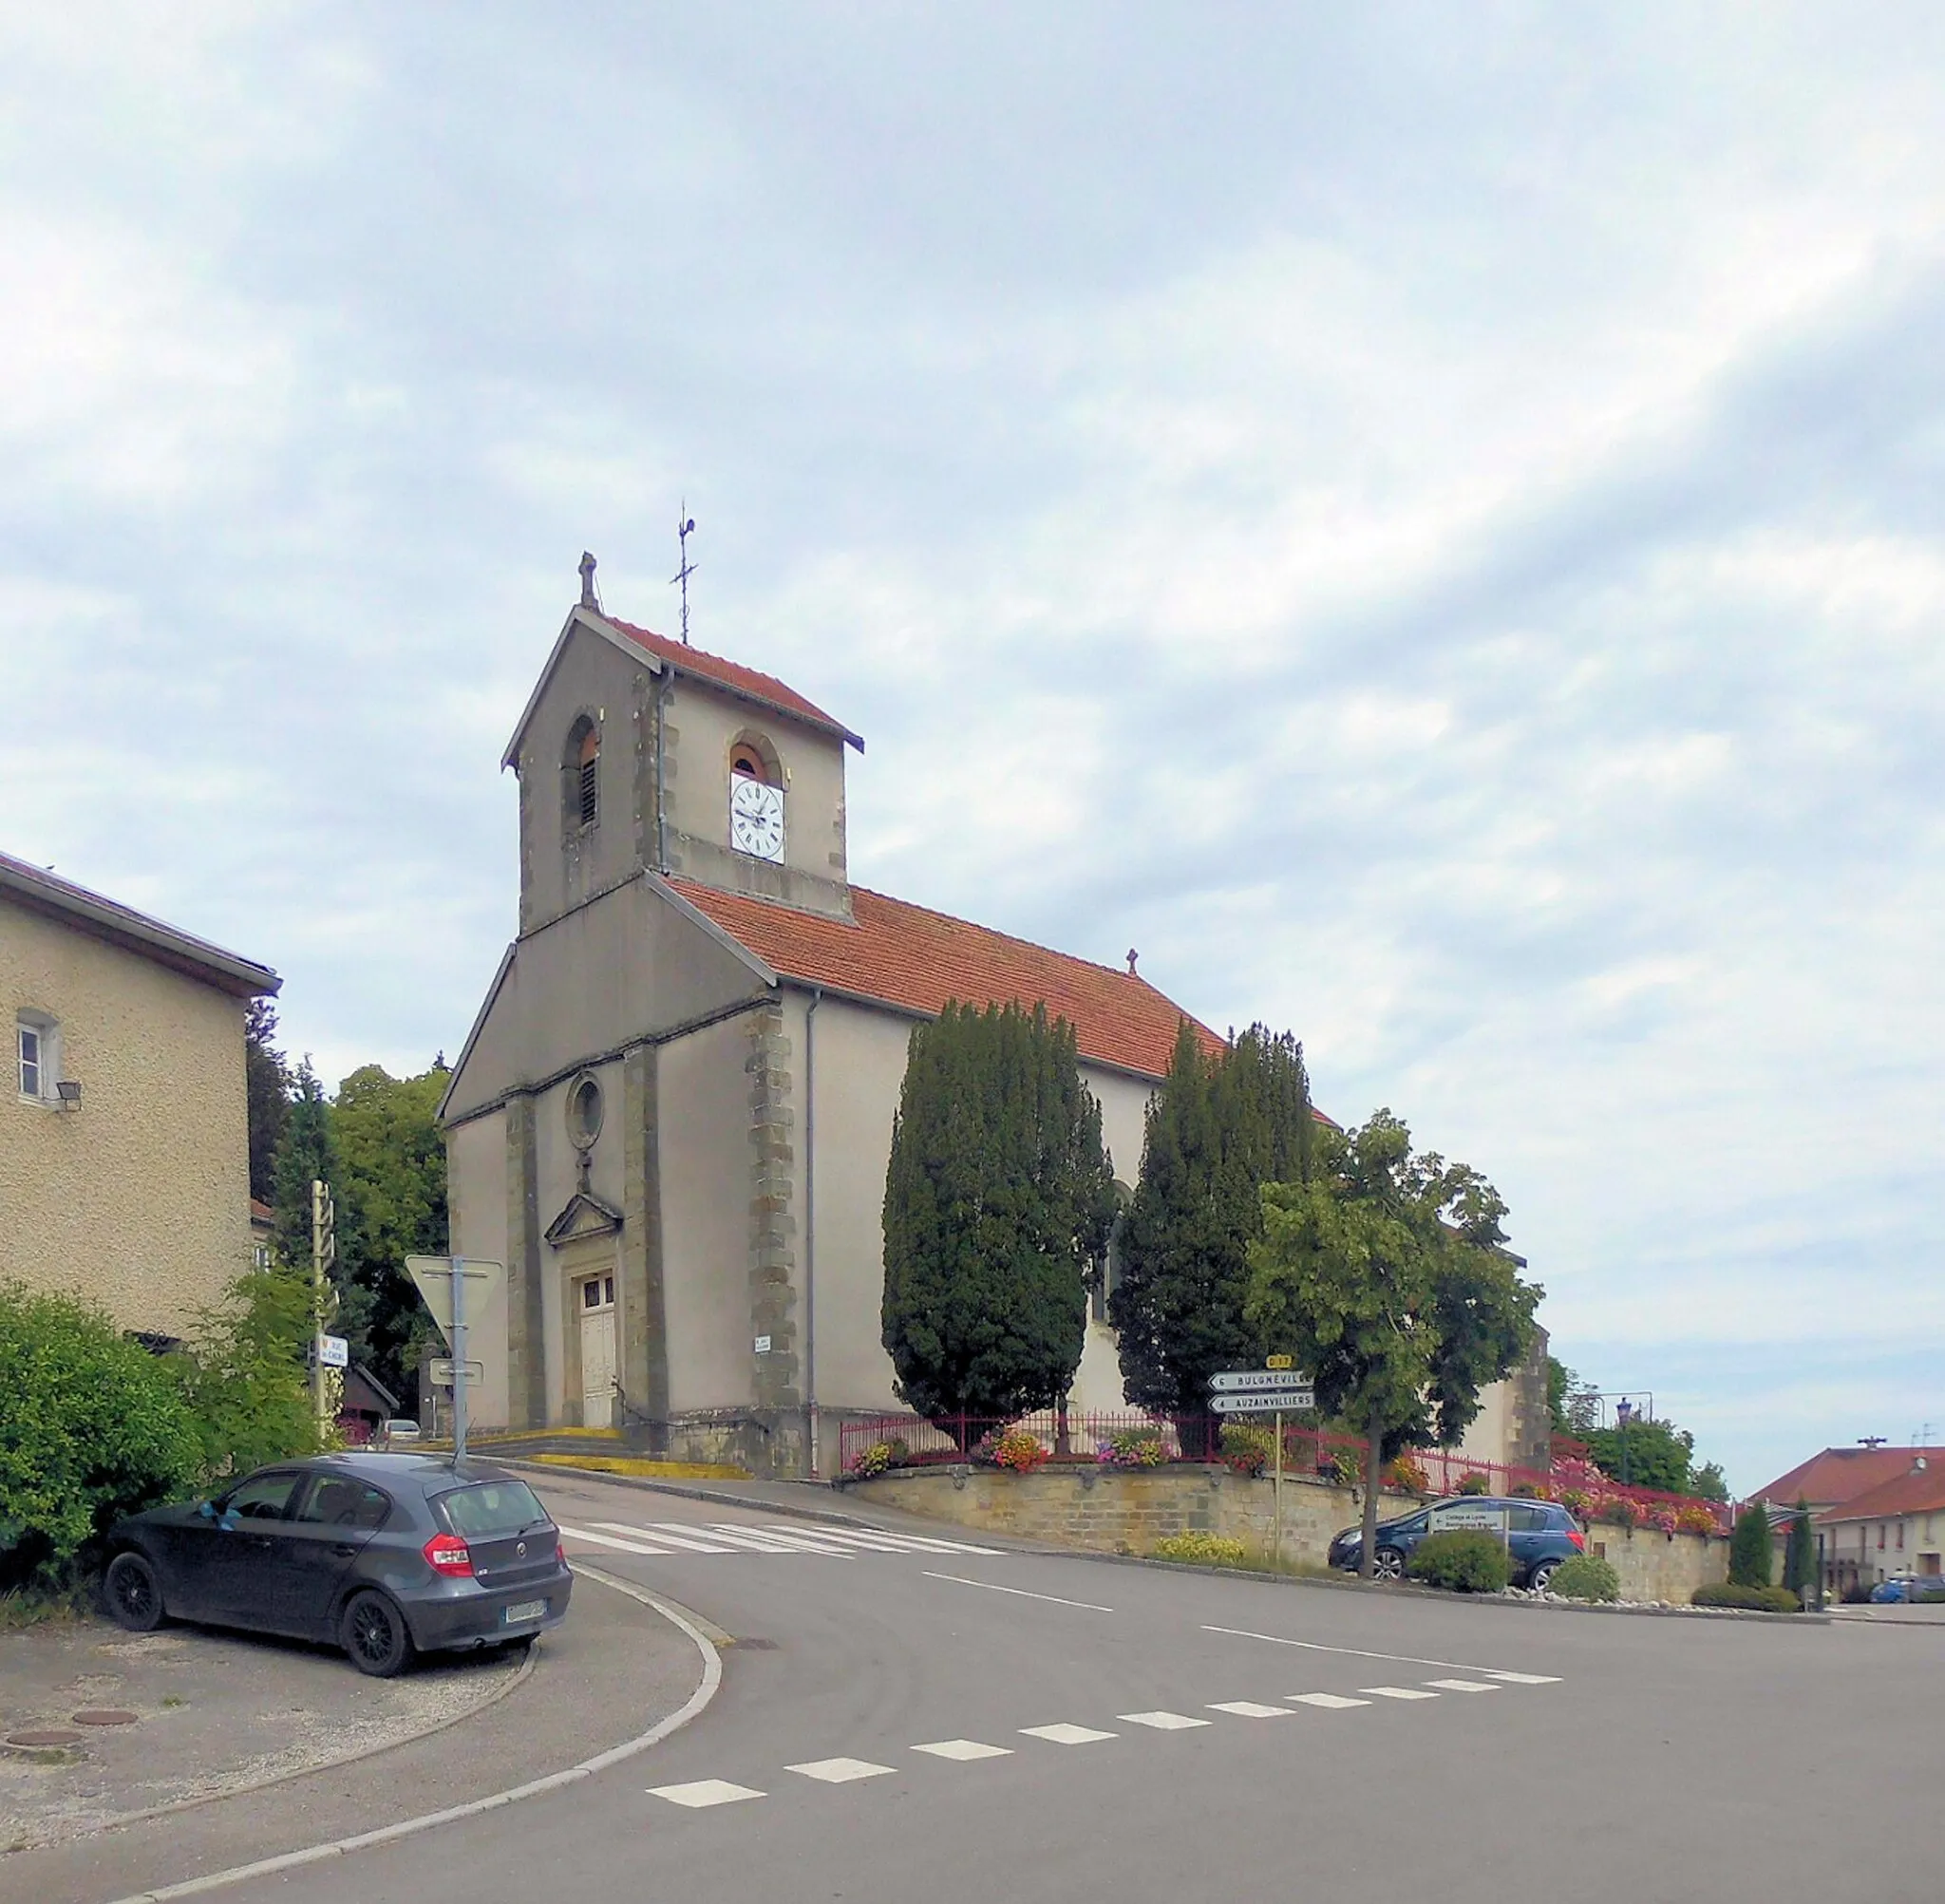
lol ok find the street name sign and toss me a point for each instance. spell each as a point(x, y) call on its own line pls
point(333, 1351)
point(1263, 1402)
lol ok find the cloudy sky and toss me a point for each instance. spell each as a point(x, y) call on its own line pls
point(1428, 527)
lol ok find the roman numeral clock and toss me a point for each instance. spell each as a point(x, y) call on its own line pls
point(756, 818)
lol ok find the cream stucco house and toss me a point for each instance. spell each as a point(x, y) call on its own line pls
point(672, 1116)
point(125, 1151)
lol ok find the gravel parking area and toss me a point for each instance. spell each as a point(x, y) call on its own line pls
point(98, 1726)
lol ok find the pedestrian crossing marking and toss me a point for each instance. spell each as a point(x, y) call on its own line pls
point(664, 1539)
point(1248, 1708)
point(964, 1749)
point(1065, 1735)
point(1397, 1692)
point(840, 1771)
point(1329, 1702)
point(1462, 1684)
point(1525, 1678)
point(704, 1793)
point(1162, 1722)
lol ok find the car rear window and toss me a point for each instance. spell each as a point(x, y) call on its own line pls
point(492, 1508)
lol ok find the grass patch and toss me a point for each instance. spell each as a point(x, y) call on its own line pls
point(24, 1606)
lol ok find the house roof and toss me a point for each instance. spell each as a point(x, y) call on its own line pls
point(261, 1213)
point(918, 961)
point(103, 918)
point(1920, 1489)
point(765, 689)
point(1838, 1475)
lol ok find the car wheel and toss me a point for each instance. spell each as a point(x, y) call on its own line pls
point(373, 1633)
point(1388, 1563)
point(1543, 1572)
point(133, 1594)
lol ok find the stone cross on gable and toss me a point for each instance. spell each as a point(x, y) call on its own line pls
point(587, 581)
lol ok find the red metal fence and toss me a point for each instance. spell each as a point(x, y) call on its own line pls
point(1131, 1439)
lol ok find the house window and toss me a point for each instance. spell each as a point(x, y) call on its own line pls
point(1901, 1537)
point(37, 1046)
point(598, 1292)
point(1881, 1534)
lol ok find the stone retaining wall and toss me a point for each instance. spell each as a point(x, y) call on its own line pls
point(1132, 1511)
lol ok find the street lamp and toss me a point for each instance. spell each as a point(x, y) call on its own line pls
point(1624, 1410)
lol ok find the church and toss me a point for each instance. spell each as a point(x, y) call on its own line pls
point(672, 1116)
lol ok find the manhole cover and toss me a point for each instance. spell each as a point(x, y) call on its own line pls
point(101, 1717)
point(53, 1735)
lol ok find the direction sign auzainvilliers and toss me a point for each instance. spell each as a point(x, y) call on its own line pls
point(1261, 1401)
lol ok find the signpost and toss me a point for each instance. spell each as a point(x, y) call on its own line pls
point(447, 1283)
point(1265, 1391)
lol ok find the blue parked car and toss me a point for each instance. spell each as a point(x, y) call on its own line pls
point(1909, 1586)
point(1539, 1535)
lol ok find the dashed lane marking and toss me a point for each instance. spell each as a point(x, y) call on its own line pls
point(1462, 1685)
point(1396, 1692)
point(1018, 1592)
point(703, 1793)
point(1353, 1653)
point(1248, 1708)
point(1526, 1678)
point(971, 1748)
point(840, 1771)
point(1329, 1702)
point(1065, 1734)
point(1162, 1722)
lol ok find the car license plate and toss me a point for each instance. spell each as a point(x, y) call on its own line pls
point(527, 1610)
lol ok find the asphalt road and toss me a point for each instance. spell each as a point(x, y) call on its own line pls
point(958, 1727)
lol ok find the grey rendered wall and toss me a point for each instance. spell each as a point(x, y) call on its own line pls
point(477, 1167)
point(704, 1117)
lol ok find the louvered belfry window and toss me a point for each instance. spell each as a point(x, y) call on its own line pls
point(590, 790)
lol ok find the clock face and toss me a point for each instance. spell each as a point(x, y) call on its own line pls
point(756, 818)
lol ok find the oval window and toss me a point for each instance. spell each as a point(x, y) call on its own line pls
point(584, 1112)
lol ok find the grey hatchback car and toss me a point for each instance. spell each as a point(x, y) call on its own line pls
point(387, 1556)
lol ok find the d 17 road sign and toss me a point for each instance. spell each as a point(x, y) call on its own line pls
point(1260, 1401)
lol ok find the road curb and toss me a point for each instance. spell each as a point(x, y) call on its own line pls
point(1405, 1590)
point(289, 1860)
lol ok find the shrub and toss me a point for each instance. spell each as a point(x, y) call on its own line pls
point(1134, 1448)
point(1478, 1483)
point(93, 1427)
point(1616, 1508)
point(1586, 1577)
point(1247, 1449)
point(1694, 1519)
point(1406, 1476)
point(1750, 1599)
point(1344, 1467)
point(1463, 1560)
point(1020, 1450)
point(1205, 1550)
point(875, 1459)
point(1749, 1553)
point(244, 1378)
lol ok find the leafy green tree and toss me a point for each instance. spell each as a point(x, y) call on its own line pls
point(91, 1427)
point(1647, 1454)
point(998, 1196)
point(1386, 1276)
point(245, 1376)
point(392, 1181)
point(1750, 1553)
point(1709, 1483)
point(308, 1151)
point(1221, 1126)
point(1567, 1404)
point(1799, 1556)
point(269, 1082)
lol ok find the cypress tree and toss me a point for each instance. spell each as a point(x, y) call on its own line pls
point(1799, 1556)
point(1750, 1553)
point(1220, 1128)
point(997, 1196)
point(306, 1151)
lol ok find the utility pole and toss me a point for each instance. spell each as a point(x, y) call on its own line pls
point(323, 1255)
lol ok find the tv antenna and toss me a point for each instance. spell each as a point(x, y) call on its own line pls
point(683, 530)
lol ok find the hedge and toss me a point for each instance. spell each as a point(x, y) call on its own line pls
point(1586, 1577)
point(1749, 1600)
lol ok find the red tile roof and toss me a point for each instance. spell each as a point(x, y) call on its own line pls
point(733, 675)
point(1838, 1475)
point(1918, 1490)
point(919, 961)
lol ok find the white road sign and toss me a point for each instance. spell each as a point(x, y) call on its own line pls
point(443, 1367)
point(1238, 1381)
point(1472, 1519)
point(333, 1351)
point(1263, 1402)
point(433, 1275)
